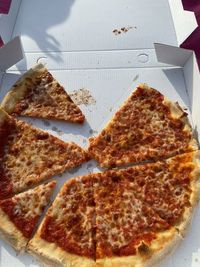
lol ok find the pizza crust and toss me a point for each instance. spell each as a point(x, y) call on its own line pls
point(185, 220)
point(3, 116)
point(194, 198)
point(53, 256)
point(78, 157)
point(19, 89)
point(177, 113)
point(161, 247)
point(10, 233)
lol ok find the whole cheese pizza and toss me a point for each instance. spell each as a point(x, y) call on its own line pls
point(29, 155)
point(147, 127)
point(128, 218)
point(123, 217)
point(19, 215)
point(38, 94)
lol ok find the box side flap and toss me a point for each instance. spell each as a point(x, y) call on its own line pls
point(10, 53)
point(192, 81)
point(91, 60)
point(184, 21)
point(172, 55)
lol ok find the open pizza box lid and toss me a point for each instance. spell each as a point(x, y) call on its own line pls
point(80, 43)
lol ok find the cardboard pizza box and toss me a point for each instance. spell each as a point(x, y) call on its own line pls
point(105, 48)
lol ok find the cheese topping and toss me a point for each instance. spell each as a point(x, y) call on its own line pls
point(123, 221)
point(120, 212)
point(25, 209)
point(29, 155)
point(165, 186)
point(32, 202)
point(45, 97)
point(70, 223)
point(143, 129)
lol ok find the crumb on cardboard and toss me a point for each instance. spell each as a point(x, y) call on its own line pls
point(82, 97)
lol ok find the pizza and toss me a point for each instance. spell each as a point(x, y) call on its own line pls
point(147, 127)
point(129, 217)
point(128, 231)
point(29, 155)
point(66, 236)
point(38, 94)
point(133, 204)
point(20, 214)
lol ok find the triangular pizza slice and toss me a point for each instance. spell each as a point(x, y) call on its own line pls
point(20, 214)
point(38, 94)
point(66, 236)
point(147, 127)
point(128, 231)
point(29, 155)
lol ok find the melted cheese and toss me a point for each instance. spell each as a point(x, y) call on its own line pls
point(31, 203)
point(73, 213)
point(131, 209)
point(31, 155)
point(45, 97)
point(143, 129)
point(122, 219)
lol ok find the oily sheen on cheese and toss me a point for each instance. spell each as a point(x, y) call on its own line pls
point(123, 221)
point(126, 217)
point(29, 155)
point(31, 203)
point(20, 214)
point(38, 94)
point(70, 222)
point(146, 127)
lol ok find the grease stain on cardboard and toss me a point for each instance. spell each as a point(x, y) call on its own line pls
point(123, 30)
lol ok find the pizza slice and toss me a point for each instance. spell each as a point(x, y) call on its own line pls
point(170, 187)
point(147, 127)
point(20, 214)
point(128, 231)
point(38, 94)
point(29, 155)
point(66, 236)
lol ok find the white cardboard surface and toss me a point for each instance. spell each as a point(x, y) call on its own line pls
point(81, 51)
point(10, 53)
point(85, 25)
point(172, 55)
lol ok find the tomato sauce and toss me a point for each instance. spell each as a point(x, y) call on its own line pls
point(25, 225)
